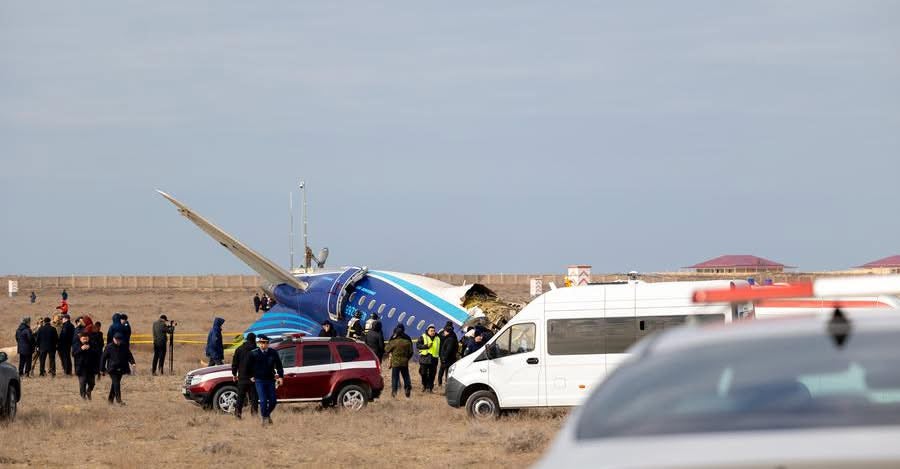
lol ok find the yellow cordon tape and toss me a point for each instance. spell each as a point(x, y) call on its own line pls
point(238, 338)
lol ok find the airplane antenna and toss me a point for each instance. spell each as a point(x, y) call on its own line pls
point(306, 251)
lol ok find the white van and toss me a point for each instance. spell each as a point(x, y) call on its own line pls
point(565, 341)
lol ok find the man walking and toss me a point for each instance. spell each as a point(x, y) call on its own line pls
point(429, 346)
point(256, 302)
point(400, 350)
point(47, 340)
point(161, 331)
point(25, 346)
point(64, 346)
point(242, 373)
point(215, 349)
point(116, 361)
point(448, 351)
point(87, 365)
point(268, 374)
point(33, 297)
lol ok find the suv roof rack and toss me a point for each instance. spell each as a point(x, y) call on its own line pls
point(305, 338)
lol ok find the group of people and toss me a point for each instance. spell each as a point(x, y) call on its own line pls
point(81, 350)
point(264, 304)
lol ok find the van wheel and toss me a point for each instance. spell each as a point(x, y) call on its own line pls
point(9, 408)
point(225, 399)
point(352, 397)
point(483, 405)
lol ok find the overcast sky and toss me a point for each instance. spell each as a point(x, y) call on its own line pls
point(449, 137)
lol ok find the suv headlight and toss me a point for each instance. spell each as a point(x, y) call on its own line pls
point(195, 380)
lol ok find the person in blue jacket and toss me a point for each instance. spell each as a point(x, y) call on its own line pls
point(215, 349)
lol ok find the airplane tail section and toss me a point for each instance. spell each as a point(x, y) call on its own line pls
point(271, 272)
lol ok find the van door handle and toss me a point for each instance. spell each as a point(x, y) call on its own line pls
point(532, 361)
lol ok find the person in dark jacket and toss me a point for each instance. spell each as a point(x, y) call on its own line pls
point(242, 372)
point(448, 351)
point(64, 345)
point(87, 365)
point(401, 350)
point(64, 295)
point(161, 331)
point(327, 330)
point(215, 349)
point(25, 346)
point(126, 330)
point(33, 297)
point(114, 327)
point(375, 340)
point(116, 361)
point(47, 340)
point(268, 374)
point(256, 302)
point(355, 326)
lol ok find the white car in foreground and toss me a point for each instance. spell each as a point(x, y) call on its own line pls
point(807, 392)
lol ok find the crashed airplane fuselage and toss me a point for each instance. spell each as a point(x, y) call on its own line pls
point(304, 301)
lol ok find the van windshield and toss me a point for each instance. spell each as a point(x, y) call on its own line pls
point(772, 383)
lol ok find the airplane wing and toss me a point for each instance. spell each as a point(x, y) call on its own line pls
point(270, 271)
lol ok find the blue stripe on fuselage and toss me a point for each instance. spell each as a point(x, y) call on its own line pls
point(453, 311)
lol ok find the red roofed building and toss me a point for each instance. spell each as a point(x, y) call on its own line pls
point(737, 264)
point(888, 265)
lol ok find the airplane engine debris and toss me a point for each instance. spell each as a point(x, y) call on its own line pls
point(486, 308)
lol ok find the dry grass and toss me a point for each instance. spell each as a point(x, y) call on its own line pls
point(158, 427)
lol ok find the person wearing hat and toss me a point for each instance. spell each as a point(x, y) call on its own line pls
point(47, 338)
point(116, 361)
point(354, 326)
point(429, 345)
point(400, 350)
point(327, 330)
point(242, 373)
point(64, 345)
point(25, 346)
point(448, 351)
point(268, 373)
point(161, 329)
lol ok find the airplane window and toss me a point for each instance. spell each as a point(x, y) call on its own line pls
point(400, 318)
point(391, 312)
point(371, 305)
point(362, 300)
point(381, 308)
point(420, 325)
point(352, 296)
point(410, 321)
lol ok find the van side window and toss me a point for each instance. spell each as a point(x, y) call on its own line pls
point(519, 338)
point(576, 336)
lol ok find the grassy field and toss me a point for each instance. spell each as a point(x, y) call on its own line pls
point(158, 427)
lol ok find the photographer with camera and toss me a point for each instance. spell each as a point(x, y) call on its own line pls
point(161, 329)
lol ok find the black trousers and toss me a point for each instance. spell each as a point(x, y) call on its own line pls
point(442, 371)
point(24, 364)
point(246, 391)
point(159, 356)
point(396, 373)
point(115, 387)
point(52, 355)
point(86, 384)
point(65, 359)
point(428, 373)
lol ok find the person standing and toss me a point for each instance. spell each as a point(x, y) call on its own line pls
point(161, 331)
point(375, 340)
point(114, 327)
point(448, 351)
point(25, 346)
point(400, 350)
point(64, 295)
point(268, 374)
point(87, 365)
point(47, 340)
point(33, 297)
point(215, 349)
point(63, 307)
point(116, 361)
point(355, 327)
point(242, 373)
point(64, 346)
point(327, 330)
point(429, 346)
point(264, 303)
point(256, 302)
point(126, 330)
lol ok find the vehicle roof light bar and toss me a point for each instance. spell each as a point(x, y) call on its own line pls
point(824, 287)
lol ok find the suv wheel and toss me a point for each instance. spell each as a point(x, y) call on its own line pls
point(8, 408)
point(352, 397)
point(225, 399)
point(483, 405)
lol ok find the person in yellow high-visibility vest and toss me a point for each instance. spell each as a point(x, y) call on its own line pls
point(429, 346)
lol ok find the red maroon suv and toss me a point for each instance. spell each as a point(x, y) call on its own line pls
point(333, 371)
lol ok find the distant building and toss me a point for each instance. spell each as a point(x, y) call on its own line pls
point(738, 264)
point(888, 265)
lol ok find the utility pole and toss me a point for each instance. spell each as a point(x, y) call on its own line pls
point(291, 236)
point(305, 238)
